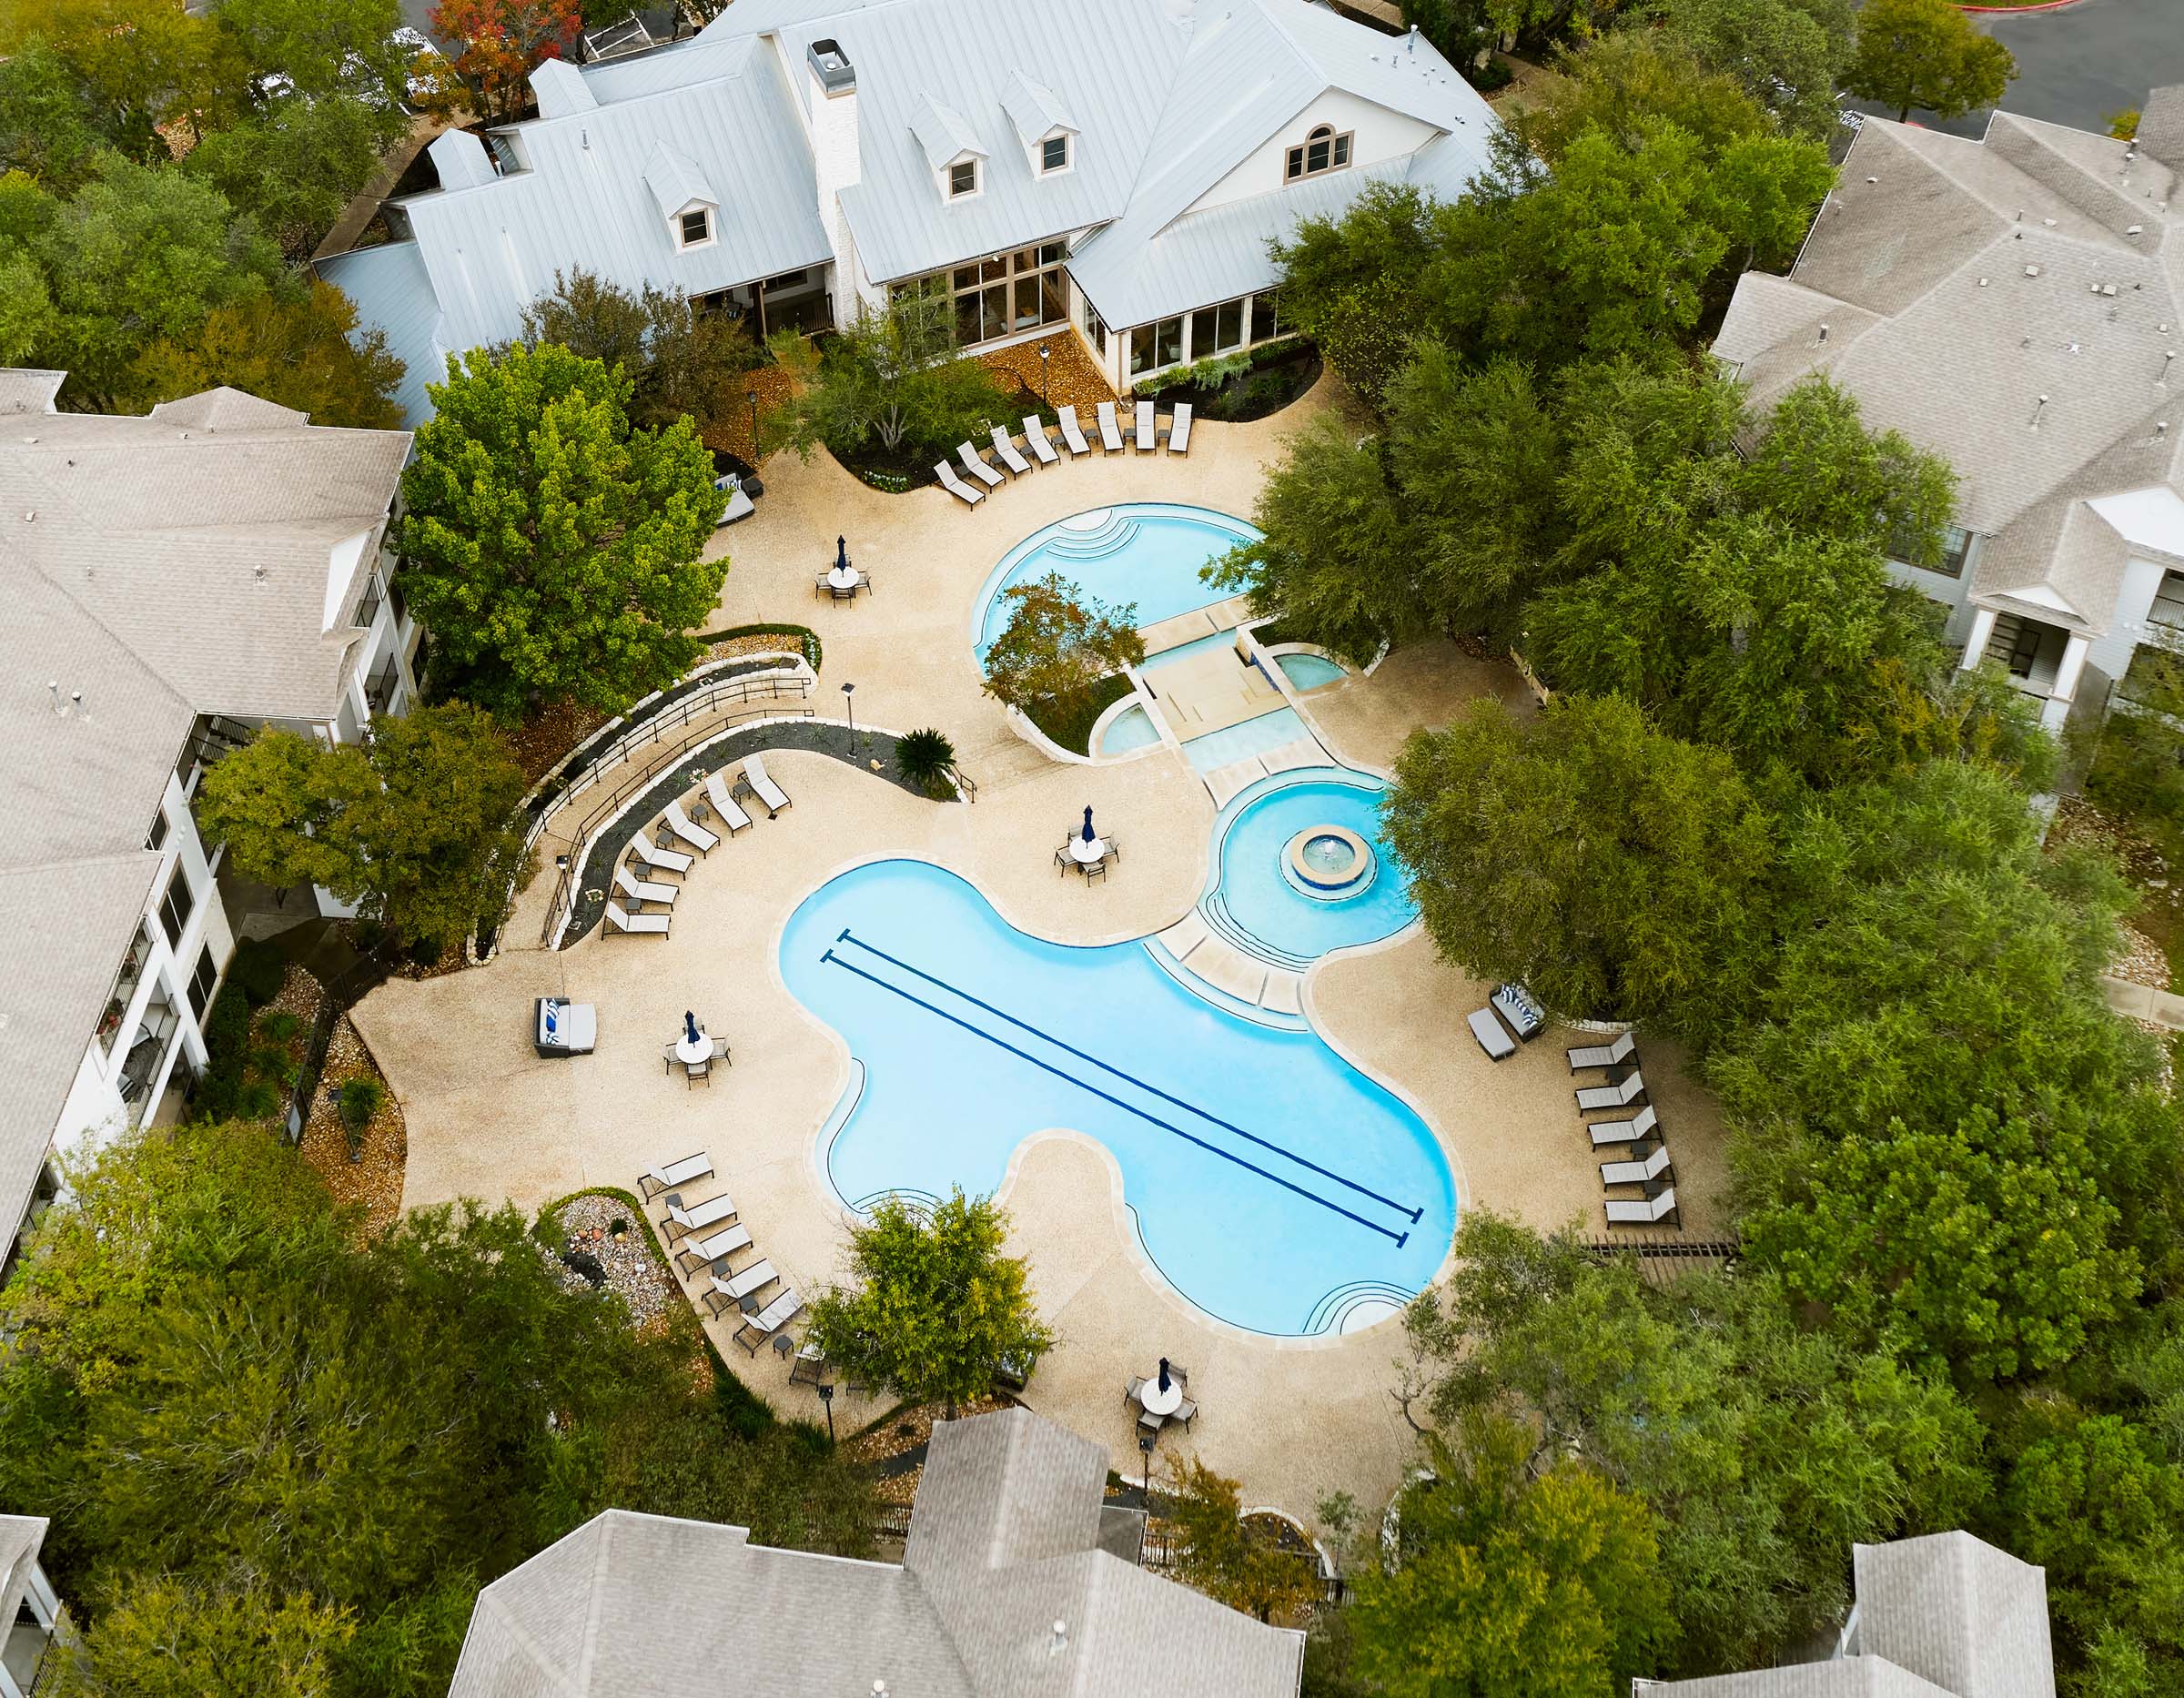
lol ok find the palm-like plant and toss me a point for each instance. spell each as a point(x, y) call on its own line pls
point(925, 759)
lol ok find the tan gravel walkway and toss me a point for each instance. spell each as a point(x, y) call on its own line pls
point(1292, 1420)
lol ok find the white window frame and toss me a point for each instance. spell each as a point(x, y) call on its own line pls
point(969, 162)
point(2167, 594)
point(1068, 162)
point(713, 228)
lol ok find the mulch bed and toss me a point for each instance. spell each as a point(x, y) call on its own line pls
point(633, 1272)
point(899, 1436)
point(368, 1171)
point(546, 736)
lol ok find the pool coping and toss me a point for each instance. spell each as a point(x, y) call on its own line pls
point(818, 1141)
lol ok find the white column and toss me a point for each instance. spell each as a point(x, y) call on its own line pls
point(2066, 675)
point(1983, 631)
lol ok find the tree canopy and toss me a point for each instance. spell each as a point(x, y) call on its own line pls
point(296, 353)
point(1925, 55)
point(552, 550)
point(1058, 643)
point(935, 1306)
point(417, 825)
point(679, 359)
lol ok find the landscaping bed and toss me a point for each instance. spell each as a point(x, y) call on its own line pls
point(1071, 728)
point(893, 1447)
point(1240, 388)
point(581, 1230)
point(359, 1151)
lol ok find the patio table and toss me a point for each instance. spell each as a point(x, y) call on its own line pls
point(1155, 1401)
point(689, 1050)
point(1088, 853)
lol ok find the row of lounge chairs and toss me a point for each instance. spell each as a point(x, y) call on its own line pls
point(1647, 1167)
point(646, 904)
point(702, 1236)
point(1146, 434)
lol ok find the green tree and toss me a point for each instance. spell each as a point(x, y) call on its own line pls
point(418, 826)
point(937, 1306)
point(1608, 867)
point(46, 129)
point(1786, 55)
point(142, 63)
point(1058, 644)
point(1624, 83)
point(679, 359)
point(552, 550)
point(133, 256)
point(1229, 1559)
point(1352, 283)
point(1328, 558)
point(325, 48)
point(297, 353)
point(891, 385)
point(296, 162)
point(1925, 55)
point(1764, 1449)
point(1508, 1581)
point(162, 1638)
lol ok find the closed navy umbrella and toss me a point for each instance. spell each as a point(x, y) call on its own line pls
point(1090, 833)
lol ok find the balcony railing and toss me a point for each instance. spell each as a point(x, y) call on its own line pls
point(147, 1050)
point(379, 689)
point(125, 981)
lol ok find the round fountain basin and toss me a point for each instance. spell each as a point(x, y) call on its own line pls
point(1328, 862)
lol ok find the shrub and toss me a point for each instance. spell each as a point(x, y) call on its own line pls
point(258, 1100)
point(258, 969)
point(278, 1026)
point(925, 758)
point(227, 1044)
point(359, 1101)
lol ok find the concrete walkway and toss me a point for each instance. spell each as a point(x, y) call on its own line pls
point(2135, 1001)
point(1293, 1420)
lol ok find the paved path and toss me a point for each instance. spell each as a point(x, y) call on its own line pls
point(2143, 1002)
point(2077, 65)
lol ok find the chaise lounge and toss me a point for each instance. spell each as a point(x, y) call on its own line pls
point(1005, 445)
point(1636, 1172)
point(769, 1320)
point(977, 466)
point(669, 1175)
point(771, 795)
point(1178, 428)
point(1034, 439)
point(658, 860)
point(687, 830)
point(1644, 1125)
point(727, 807)
point(1603, 1055)
point(1621, 1094)
point(1147, 428)
point(681, 1222)
point(956, 486)
point(1073, 433)
point(1651, 1211)
point(1110, 433)
point(621, 919)
point(729, 1293)
point(644, 890)
point(703, 1252)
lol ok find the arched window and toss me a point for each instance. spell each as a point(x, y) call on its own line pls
point(1322, 150)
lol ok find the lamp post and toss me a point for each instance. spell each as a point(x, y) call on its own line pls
point(751, 396)
point(1145, 1486)
point(826, 1396)
point(1045, 400)
point(850, 705)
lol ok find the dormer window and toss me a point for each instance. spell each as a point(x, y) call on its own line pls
point(697, 227)
point(1322, 151)
point(962, 178)
point(1054, 154)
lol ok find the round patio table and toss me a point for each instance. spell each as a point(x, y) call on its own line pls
point(1155, 1401)
point(688, 1051)
point(1088, 853)
point(837, 577)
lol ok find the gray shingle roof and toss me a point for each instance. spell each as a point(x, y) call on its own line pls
point(1953, 1609)
point(1960, 283)
point(20, 1537)
point(1003, 1544)
point(1845, 1677)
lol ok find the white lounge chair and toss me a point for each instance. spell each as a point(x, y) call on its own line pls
point(702, 1252)
point(641, 890)
point(669, 1175)
point(659, 860)
point(1073, 433)
point(1110, 433)
point(1147, 428)
point(1603, 1055)
point(1614, 1095)
point(771, 795)
point(1493, 1039)
point(729, 1293)
point(689, 831)
point(727, 807)
point(770, 1320)
point(621, 920)
point(1005, 445)
point(1034, 439)
point(1642, 1172)
point(682, 1221)
point(1178, 428)
point(956, 486)
point(1635, 1130)
point(1650, 1211)
point(976, 467)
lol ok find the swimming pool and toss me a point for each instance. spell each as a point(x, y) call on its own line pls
point(1273, 1185)
point(1309, 671)
point(1148, 553)
point(1131, 729)
point(1251, 899)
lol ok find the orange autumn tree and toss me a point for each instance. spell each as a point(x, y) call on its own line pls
point(502, 40)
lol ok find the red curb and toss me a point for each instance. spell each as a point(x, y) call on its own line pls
point(2004, 11)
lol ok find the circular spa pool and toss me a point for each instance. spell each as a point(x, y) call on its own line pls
point(1300, 868)
point(1142, 554)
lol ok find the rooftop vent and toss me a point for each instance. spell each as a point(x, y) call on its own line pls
point(1060, 1641)
point(830, 66)
point(2032, 271)
point(1981, 282)
point(2166, 358)
point(2134, 229)
point(2049, 222)
point(1873, 179)
point(2040, 408)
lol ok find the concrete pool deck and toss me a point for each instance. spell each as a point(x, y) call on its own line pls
point(1293, 1420)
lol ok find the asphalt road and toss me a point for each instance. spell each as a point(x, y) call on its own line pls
point(2078, 64)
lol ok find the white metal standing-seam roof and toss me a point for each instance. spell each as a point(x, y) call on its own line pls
point(392, 293)
point(584, 203)
point(1114, 63)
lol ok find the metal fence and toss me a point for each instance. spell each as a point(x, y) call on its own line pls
point(1661, 1256)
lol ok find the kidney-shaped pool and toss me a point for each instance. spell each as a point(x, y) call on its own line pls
point(1274, 1185)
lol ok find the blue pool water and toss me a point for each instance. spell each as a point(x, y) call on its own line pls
point(1130, 729)
point(1251, 903)
point(1218, 749)
point(1309, 671)
point(1148, 553)
point(1272, 1184)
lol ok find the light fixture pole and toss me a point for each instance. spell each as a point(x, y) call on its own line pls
point(1145, 1444)
point(850, 704)
point(826, 1396)
point(751, 396)
point(1045, 399)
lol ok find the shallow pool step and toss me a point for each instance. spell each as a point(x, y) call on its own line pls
point(1208, 956)
point(1223, 926)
